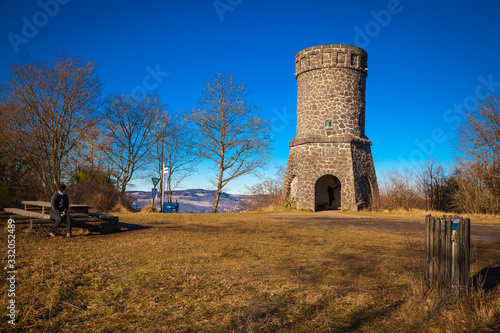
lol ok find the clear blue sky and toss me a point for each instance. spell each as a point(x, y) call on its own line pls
point(426, 59)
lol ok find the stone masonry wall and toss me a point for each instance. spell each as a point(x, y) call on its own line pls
point(364, 171)
point(331, 83)
point(337, 95)
point(330, 127)
point(309, 162)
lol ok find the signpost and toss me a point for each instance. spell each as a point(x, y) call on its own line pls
point(155, 181)
point(154, 190)
point(165, 171)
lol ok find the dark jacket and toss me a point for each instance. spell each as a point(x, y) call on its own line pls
point(59, 203)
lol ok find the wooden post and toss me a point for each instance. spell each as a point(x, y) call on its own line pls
point(442, 254)
point(431, 250)
point(437, 262)
point(466, 251)
point(448, 251)
point(464, 260)
point(460, 258)
point(427, 247)
point(456, 256)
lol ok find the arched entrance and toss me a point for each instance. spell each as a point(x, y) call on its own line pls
point(327, 193)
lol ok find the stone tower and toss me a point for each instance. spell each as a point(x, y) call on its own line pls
point(330, 165)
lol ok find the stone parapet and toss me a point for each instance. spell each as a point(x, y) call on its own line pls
point(333, 55)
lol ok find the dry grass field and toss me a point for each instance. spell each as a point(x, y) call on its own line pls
point(242, 272)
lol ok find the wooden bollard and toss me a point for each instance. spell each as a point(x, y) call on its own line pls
point(447, 252)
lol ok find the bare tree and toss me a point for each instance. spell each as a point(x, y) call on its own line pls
point(479, 140)
point(398, 190)
point(436, 185)
point(87, 155)
point(175, 149)
point(266, 193)
point(128, 139)
point(471, 195)
point(14, 177)
point(48, 108)
point(228, 131)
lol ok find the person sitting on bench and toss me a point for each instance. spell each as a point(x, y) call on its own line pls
point(59, 205)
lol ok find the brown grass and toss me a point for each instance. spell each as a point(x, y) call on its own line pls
point(119, 208)
point(238, 272)
point(149, 209)
point(419, 214)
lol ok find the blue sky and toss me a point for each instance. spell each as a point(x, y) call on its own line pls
point(426, 59)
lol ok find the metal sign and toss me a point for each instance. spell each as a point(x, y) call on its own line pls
point(155, 181)
point(154, 192)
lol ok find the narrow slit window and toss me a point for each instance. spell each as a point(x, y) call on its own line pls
point(328, 124)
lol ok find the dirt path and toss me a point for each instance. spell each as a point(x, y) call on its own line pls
point(482, 231)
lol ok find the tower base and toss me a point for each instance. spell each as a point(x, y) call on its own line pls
point(337, 174)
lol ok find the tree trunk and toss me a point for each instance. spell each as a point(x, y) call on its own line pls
point(216, 201)
point(169, 187)
point(219, 187)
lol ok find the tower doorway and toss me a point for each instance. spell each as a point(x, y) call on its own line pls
point(327, 193)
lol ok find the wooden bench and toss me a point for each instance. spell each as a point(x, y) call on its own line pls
point(18, 211)
point(45, 204)
point(35, 212)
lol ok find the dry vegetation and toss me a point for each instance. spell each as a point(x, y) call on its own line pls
point(419, 215)
point(255, 272)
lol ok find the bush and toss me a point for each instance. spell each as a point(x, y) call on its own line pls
point(4, 196)
point(473, 193)
point(398, 191)
point(263, 195)
point(95, 188)
point(18, 184)
point(149, 209)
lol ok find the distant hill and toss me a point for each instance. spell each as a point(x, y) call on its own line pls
point(191, 201)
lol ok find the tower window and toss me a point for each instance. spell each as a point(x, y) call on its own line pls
point(328, 124)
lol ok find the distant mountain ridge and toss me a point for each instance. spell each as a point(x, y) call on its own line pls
point(191, 200)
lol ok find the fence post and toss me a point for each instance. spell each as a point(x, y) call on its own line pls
point(437, 250)
point(431, 251)
point(427, 248)
point(449, 261)
point(464, 252)
point(442, 254)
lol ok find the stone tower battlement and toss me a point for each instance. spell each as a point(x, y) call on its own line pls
point(330, 165)
point(333, 55)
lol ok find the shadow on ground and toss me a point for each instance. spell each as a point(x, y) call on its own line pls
point(369, 315)
point(131, 226)
point(487, 278)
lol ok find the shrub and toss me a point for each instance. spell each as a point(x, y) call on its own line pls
point(95, 188)
point(264, 194)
